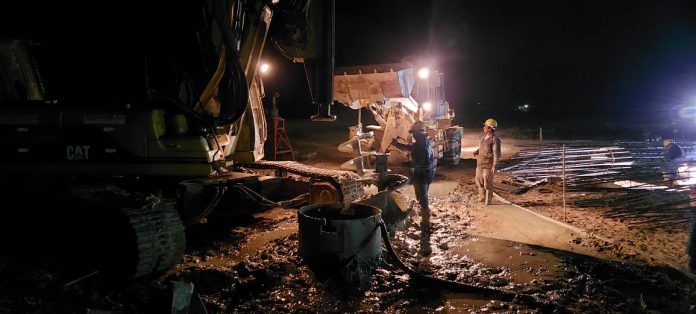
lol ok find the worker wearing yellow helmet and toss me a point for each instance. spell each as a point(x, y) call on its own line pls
point(487, 157)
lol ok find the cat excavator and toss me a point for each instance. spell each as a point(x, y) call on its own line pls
point(124, 123)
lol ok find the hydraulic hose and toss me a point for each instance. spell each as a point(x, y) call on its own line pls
point(219, 193)
point(524, 299)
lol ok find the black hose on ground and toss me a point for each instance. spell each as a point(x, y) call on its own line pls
point(219, 193)
point(524, 299)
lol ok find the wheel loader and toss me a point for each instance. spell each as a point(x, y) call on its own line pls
point(396, 99)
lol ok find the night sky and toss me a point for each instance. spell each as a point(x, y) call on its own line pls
point(604, 61)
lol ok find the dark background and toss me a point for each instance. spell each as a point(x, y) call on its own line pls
point(601, 62)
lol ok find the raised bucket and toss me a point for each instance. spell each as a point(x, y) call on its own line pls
point(335, 230)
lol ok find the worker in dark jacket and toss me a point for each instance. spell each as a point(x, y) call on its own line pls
point(672, 157)
point(423, 164)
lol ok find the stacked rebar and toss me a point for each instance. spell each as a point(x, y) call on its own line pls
point(581, 163)
point(630, 176)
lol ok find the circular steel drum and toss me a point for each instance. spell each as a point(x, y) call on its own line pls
point(341, 231)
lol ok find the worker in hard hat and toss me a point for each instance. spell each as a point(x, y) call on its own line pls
point(487, 157)
point(672, 157)
point(423, 164)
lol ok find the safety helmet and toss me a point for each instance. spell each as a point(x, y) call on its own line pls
point(491, 123)
point(417, 126)
point(666, 142)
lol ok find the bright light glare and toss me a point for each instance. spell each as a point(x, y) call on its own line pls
point(424, 73)
point(687, 112)
point(265, 68)
point(427, 106)
point(687, 175)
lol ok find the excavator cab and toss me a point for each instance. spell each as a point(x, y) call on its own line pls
point(148, 88)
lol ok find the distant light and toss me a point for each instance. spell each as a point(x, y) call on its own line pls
point(275, 1)
point(424, 73)
point(427, 106)
point(265, 68)
point(522, 108)
point(687, 112)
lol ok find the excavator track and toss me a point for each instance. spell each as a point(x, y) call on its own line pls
point(348, 183)
point(150, 236)
point(160, 237)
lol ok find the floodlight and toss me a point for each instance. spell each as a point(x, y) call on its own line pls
point(265, 67)
point(424, 73)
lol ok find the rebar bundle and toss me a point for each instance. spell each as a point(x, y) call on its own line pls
point(631, 177)
point(581, 163)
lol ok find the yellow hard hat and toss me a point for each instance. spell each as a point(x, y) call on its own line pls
point(491, 123)
point(666, 142)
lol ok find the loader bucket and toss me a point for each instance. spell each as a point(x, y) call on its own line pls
point(357, 86)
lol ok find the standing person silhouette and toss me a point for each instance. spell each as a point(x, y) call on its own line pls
point(672, 157)
point(487, 157)
point(423, 164)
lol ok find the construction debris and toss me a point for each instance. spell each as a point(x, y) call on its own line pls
point(524, 189)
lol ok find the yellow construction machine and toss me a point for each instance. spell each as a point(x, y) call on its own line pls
point(124, 123)
point(396, 99)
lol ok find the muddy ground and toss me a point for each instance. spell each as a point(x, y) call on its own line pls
point(250, 264)
point(615, 238)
